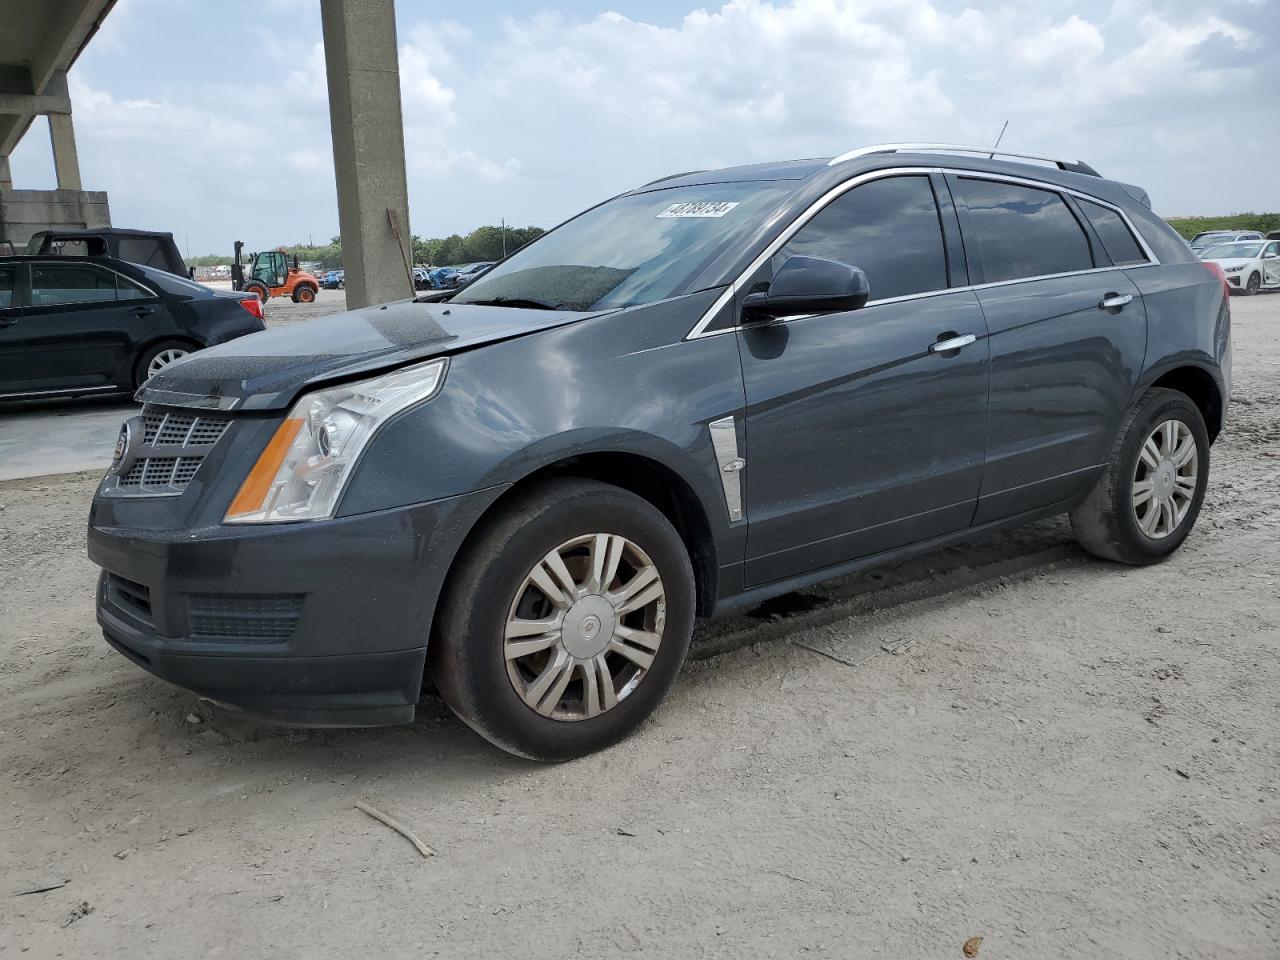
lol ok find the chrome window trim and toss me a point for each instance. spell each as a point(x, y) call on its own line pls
point(700, 328)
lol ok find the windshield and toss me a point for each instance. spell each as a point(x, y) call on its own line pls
point(1233, 251)
point(631, 250)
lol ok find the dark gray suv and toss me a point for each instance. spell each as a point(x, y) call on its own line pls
point(713, 389)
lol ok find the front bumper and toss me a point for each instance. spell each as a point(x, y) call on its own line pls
point(316, 624)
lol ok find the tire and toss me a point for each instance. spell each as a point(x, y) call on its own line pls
point(1252, 285)
point(1108, 522)
point(158, 356)
point(304, 293)
point(258, 290)
point(491, 584)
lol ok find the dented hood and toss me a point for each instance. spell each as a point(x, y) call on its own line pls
point(267, 371)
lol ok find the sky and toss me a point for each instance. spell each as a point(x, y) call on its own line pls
point(211, 120)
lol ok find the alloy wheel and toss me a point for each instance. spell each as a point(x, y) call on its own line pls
point(163, 359)
point(1254, 284)
point(1165, 479)
point(584, 627)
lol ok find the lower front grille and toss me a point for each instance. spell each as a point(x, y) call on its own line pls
point(132, 598)
point(243, 618)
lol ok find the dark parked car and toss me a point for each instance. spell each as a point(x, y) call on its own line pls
point(150, 248)
point(97, 325)
point(716, 388)
point(468, 273)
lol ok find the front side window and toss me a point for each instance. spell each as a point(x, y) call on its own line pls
point(629, 251)
point(54, 284)
point(1021, 231)
point(1116, 237)
point(889, 228)
point(7, 275)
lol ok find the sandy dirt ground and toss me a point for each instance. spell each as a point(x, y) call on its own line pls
point(1066, 758)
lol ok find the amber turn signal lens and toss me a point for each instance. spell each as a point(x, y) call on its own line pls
point(253, 492)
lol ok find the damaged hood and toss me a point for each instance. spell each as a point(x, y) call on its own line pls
point(267, 371)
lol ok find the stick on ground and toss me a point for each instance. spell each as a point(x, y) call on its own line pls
point(397, 826)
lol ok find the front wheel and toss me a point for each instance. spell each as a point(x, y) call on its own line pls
point(258, 290)
point(566, 622)
point(1253, 284)
point(1149, 495)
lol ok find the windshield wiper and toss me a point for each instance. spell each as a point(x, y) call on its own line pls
point(530, 302)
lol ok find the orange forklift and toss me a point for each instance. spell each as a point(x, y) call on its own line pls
point(271, 274)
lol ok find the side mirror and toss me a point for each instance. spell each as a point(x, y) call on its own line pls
point(805, 285)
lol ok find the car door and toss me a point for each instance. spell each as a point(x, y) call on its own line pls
point(860, 437)
point(12, 373)
point(1270, 261)
point(1068, 337)
point(83, 325)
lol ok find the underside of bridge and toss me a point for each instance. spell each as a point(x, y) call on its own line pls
point(38, 44)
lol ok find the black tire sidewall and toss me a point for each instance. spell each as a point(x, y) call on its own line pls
point(1253, 284)
point(469, 664)
point(1167, 407)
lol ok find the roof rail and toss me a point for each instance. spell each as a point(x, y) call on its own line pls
point(1075, 166)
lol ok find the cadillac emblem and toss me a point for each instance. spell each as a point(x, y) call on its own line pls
point(127, 443)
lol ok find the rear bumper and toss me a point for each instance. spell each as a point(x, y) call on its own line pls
point(316, 624)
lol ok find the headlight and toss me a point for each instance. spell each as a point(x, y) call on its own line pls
point(1233, 269)
point(305, 467)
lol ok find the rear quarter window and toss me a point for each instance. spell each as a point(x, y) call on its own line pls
point(1115, 235)
point(1020, 231)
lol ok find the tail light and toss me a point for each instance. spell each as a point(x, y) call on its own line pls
point(1217, 272)
point(254, 305)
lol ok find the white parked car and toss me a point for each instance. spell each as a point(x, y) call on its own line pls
point(1212, 238)
point(1250, 266)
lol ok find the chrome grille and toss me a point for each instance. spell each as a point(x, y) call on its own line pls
point(173, 447)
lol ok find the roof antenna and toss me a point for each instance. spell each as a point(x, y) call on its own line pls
point(998, 139)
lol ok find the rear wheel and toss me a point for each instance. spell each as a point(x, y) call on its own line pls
point(566, 622)
point(1149, 495)
point(304, 293)
point(1253, 284)
point(157, 357)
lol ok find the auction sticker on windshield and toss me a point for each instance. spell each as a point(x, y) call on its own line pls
point(698, 208)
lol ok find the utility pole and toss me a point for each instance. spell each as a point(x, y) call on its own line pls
point(504, 238)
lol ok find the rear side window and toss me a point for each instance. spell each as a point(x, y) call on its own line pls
point(147, 251)
point(890, 228)
point(1022, 231)
point(1114, 234)
point(54, 284)
point(6, 287)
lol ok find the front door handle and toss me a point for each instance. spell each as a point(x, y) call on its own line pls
point(8, 321)
point(952, 344)
point(1113, 302)
point(141, 312)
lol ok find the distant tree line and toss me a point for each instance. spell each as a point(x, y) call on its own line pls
point(1262, 222)
point(482, 243)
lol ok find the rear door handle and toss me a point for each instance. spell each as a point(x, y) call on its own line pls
point(952, 344)
point(142, 311)
point(1115, 301)
point(8, 321)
